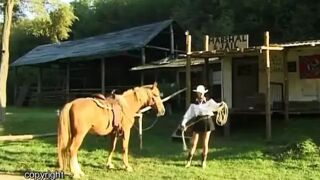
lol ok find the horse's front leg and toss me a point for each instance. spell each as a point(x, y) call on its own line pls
point(113, 147)
point(125, 146)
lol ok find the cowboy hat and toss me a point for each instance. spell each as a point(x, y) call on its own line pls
point(201, 89)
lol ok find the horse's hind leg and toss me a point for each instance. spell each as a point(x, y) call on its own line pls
point(113, 147)
point(74, 164)
point(125, 144)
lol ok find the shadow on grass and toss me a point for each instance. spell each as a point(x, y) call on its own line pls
point(247, 140)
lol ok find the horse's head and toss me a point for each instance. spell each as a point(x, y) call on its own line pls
point(154, 99)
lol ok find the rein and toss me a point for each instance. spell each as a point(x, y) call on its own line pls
point(151, 126)
point(221, 119)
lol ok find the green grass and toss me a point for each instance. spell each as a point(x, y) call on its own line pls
point(245, 155)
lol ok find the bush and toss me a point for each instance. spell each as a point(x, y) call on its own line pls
point(299, 150)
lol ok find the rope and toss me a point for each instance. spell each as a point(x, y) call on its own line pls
point(221, 119)
point(184, 141)
point(222, 114)
point(151, 126)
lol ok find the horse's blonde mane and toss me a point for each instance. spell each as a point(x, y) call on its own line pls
point(141, 93)
point(122, 101)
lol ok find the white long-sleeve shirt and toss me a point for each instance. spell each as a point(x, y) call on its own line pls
point(202, 109)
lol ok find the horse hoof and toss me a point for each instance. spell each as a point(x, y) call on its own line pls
point(82, 173)
point(129, 169)
point(187, 165)
point(76, 176)
point(110, 166)
point(204, 165)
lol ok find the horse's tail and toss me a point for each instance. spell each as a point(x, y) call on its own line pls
point(64, 137)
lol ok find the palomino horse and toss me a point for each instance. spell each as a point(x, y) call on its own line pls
point(84, 115)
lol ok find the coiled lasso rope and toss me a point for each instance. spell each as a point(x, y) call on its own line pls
point(222, 114)
point(221, 119)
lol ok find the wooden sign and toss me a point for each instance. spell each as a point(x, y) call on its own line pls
point(229, 42)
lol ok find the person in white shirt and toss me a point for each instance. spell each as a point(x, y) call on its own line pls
point(201, 114)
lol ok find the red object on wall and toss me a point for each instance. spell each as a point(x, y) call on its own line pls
point(309, 67)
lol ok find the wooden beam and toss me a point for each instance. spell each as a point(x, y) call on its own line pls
point(26, 137)
point(206, 73)
point(188, 70)
point(140, 130)
point(103, 76)
point(206, 43)
point(268, 103)
point(67, 82)
point(162, 48)
point(39, 85)
point(318, 92)
point(206, 63)
point(143, 62)
point(39, 79)
point(286, 85)
point(163, 100)
point(178, 84)
point(156, 75)
point(226, 127)
point(15, 84)
point(271, 48)
point(171, 40)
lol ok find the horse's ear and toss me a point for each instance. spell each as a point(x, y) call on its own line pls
point(155, 84)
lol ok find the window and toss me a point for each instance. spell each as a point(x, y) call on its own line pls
point(292, 66)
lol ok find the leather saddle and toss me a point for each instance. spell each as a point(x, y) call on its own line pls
point(106, 102)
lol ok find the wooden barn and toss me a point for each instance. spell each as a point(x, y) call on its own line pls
point(263, 80)
point(71, 69)
point(244, 78)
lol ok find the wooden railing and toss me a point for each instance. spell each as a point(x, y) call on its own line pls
point(58, 96)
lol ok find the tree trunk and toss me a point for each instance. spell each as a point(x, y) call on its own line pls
point(5, 57)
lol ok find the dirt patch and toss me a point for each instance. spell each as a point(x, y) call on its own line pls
point(11, 177)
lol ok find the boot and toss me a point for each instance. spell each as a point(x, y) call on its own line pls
point(204, 161)
point(189, 159)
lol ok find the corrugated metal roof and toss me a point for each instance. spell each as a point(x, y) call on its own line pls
point(299, 43)
point(105, 45)
point(174, 63)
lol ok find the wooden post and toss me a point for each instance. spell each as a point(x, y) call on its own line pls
point(15, 84)
point(140, 130)
point(206, 65)
point(103, 76)
point(143, 61)
point(267, 98)
point(226, 127)
point(188, 70)
point(286, 85)
point(68, 82)
point(171, 40)
point(318, 92)
point(156, 75)
point(206, 73)
point(178, 85)
point(207, 81)
point(39, 85)
point(206, 43)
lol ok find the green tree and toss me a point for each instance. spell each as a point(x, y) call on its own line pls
point(100, 16)
point(4, 67)
point(205, 17)
point(48, 18)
